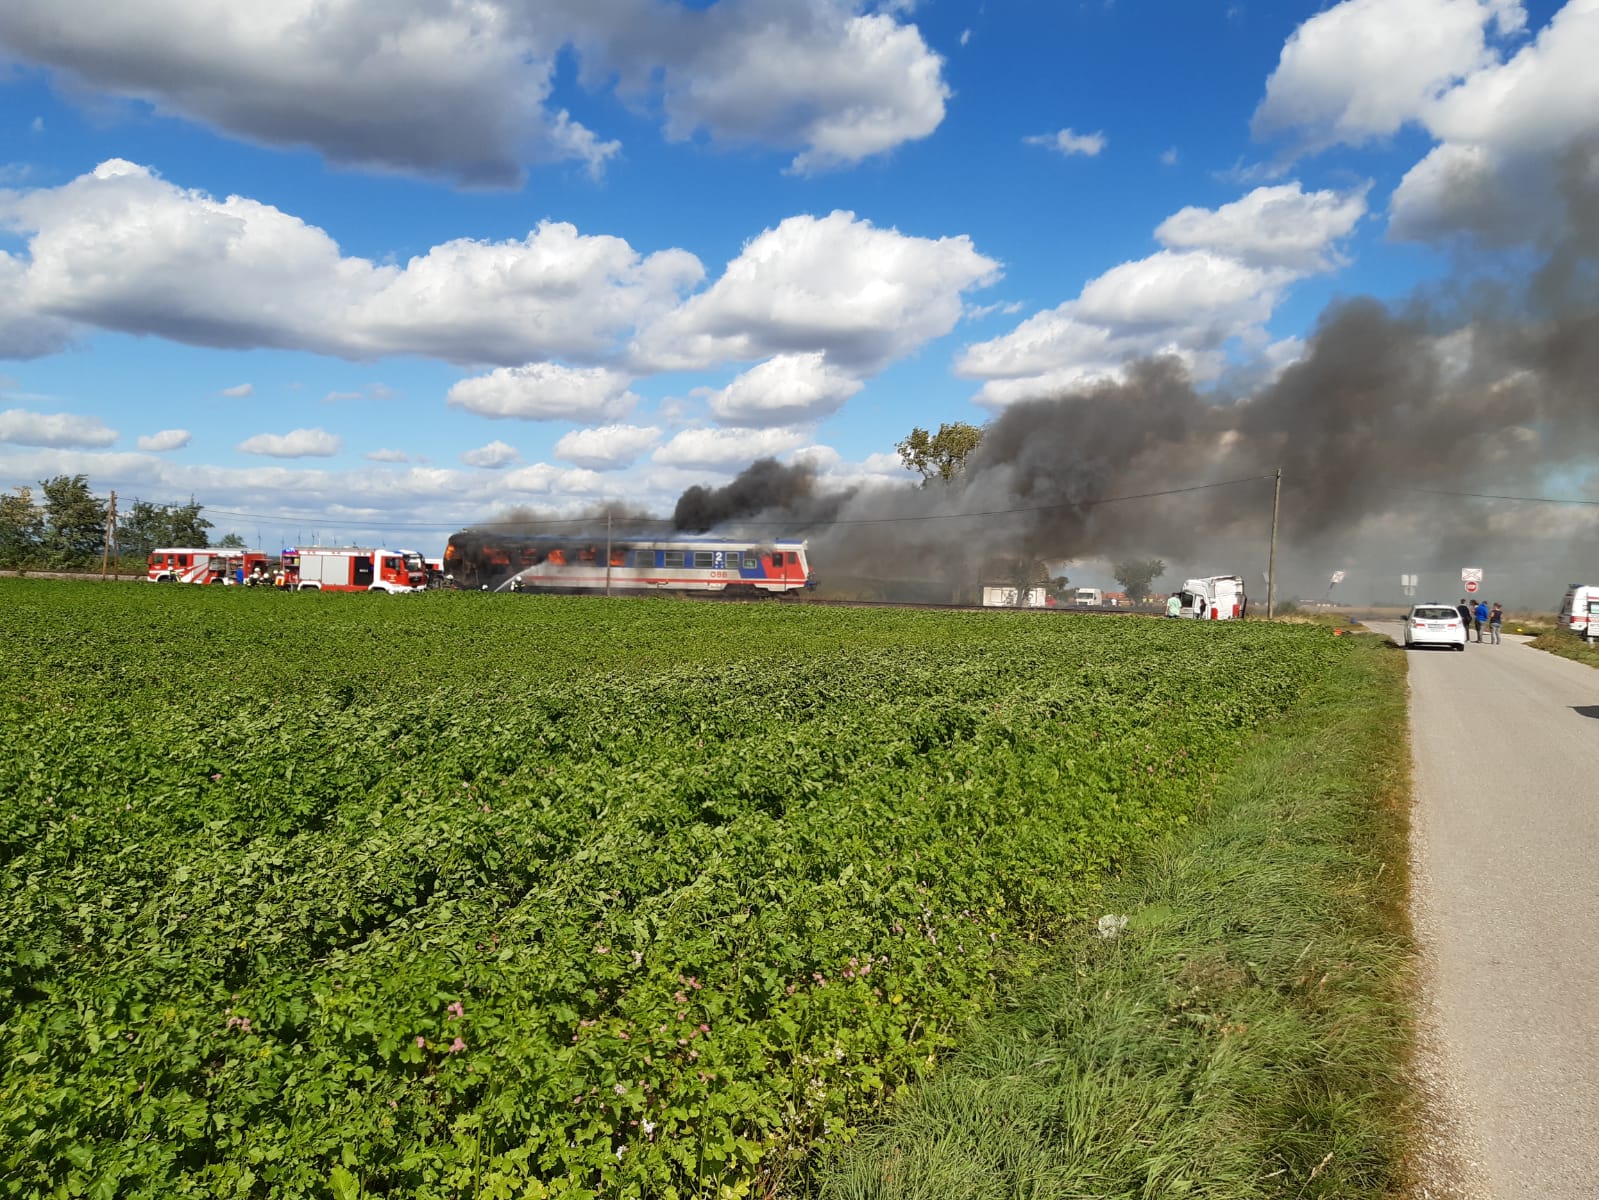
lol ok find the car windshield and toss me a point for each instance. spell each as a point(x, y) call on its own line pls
point(1434, 614)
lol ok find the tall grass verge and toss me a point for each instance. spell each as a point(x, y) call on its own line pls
point(1244, 1035)
point(1566, 645)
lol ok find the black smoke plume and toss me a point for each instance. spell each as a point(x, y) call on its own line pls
point(1386, 409)
point(765, 487)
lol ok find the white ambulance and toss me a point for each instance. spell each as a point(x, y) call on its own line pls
point(1579, 611)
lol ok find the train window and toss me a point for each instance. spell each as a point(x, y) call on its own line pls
point(672, 558)
point(777, 558)
point(751, 563)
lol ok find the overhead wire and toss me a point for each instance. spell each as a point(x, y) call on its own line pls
point(789, 523)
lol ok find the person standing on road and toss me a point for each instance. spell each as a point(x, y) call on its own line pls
point(1496, 618)
point(1481, 614)
point(1464, 610)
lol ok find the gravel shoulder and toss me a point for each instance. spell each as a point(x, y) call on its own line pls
point(1505, 838)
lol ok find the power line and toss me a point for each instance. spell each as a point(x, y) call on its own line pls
point(1491, 496)
point(958, 516)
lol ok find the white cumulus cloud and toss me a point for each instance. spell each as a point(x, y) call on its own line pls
point(784, 390)
point(1069, 142)
point(166, 439)
point(542, 478)
point(546, 391)
point(238, 391)
point(1516, 142)
point(463, 88)
point(1515, 121)
point(25, 331)
point(1363, 68)
point(1282, 226)
point(843, 86)
point(23, 427)
point(725, 449)
point(298, 443)
point(493, 457)
point(1217, 284)
point(837, 284)
point(606, 448)
point(122, 249)
point(386, 455)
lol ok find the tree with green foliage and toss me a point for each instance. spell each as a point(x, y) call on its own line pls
point(141, 529)
point(145, 526)
point(21, 529)
point(74, 522)
point(1137, 576)
point(232, 541)
point(185, 525)
point(940, 455)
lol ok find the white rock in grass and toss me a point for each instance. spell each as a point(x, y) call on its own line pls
point(1111, 925)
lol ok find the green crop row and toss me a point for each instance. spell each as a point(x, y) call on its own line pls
point(458, 895)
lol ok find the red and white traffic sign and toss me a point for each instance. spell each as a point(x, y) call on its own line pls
point(1471, 585)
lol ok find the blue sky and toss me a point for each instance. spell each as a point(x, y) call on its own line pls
point(546, 254)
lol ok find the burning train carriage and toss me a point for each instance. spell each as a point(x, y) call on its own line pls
point(578, 563)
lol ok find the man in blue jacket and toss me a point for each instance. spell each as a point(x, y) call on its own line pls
point(1480, 613)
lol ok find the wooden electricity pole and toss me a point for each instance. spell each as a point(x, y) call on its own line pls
point(1271, 561)
point(109, 549)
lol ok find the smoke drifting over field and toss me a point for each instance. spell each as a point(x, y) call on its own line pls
point(1382, 407)
point(1482, 387)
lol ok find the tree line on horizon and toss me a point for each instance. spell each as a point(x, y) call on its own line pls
point(63, 527)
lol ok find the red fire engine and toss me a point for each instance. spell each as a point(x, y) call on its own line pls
point(353, 569)
point(190, 564)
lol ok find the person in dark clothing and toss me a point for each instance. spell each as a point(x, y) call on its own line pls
point(1464, 610)
point(1481, 615)
point(1496, 618)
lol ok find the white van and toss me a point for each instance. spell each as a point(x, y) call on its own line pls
point(1218, 598)
point(1579, 611)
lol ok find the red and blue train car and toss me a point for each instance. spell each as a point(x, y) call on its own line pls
point(580, 563)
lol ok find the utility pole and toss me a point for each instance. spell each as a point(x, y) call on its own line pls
point(607, 554)
point(1271, 562)
point(109, 550)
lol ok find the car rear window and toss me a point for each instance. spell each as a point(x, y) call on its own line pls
point(1436, 614)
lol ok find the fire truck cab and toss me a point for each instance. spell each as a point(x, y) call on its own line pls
point(179, 564)
point(354, 569)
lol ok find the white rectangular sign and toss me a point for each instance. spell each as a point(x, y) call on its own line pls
point(1470, 574)
point(1337, 577)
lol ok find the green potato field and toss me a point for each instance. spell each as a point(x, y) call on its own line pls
point(464, 895)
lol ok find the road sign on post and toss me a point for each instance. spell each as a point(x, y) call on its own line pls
point(1470, 574)
point(1471, 585)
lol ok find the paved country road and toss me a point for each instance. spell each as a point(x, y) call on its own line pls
point(1505, 854)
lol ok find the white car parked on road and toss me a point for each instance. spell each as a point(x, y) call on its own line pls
point(1434, 625)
